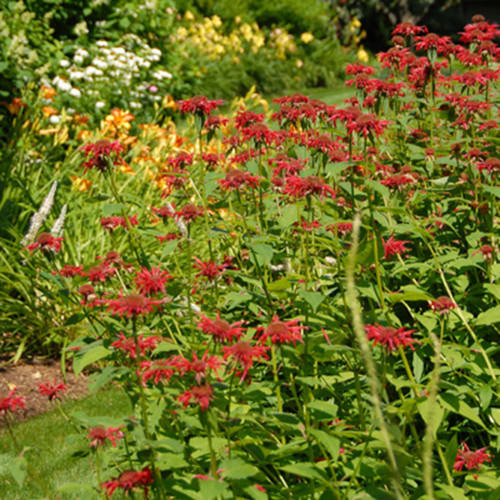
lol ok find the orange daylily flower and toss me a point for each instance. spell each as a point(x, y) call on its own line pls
point(48, 92)
point(15, 106)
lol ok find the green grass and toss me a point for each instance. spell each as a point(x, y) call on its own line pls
point(331, 95)
point(56, 459)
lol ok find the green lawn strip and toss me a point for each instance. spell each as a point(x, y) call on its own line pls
point(55, 460)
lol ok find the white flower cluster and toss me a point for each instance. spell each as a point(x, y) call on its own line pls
point(132, 65)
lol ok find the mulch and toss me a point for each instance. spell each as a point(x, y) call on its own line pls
point(27, 374)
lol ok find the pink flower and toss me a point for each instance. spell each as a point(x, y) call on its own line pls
point(471, 459)
point(393, 247)
point(151, 282)
point(202, 394)
point(390, 337)
point(52, 391)
point(99, 435)
point(221, 329)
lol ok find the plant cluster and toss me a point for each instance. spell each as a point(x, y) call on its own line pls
point(299, 302)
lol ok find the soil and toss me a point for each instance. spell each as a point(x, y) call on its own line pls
point(26, 375)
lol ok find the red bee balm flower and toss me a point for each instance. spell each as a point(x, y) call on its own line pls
point(390, 337)
point(11, 403)
point(202, 394)
point(151, 282)
point(132, 305)
point(244, 353)
point(99, 435)
point(199, 105)
point(208, 269)
point(52, 391)
point(299, 187)
point(393, 247)
point(442, 305)
point(200, 367)
point(282, 332)
point(236, 178)
point(129, 480)
point(221, 329)
point(471, 459)
point(100, 152)
point(46, 242)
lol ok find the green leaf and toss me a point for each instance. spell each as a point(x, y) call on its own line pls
point(263, 252)
point(314, 299)
point(113, 208)
point(408, 297)
point(237, 468)
point(490, 316)
point(451, 451)
point(168, 248)
point(436, 418)
point(279, 285)
point(456, 405)
point(88, 357)
point(18, 468)
point(212, 488)
point(168, 461)
point(322, 410)
point(306, 470)
point(495, 413)
point(453, 492)
point(288, 216)
point(332, 444)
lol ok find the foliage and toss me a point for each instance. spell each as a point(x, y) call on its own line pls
point(299, 302)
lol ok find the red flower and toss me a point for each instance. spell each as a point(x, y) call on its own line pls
point(130, 345)
point(46, 242)
point(245, 118)
point(221, 329)
point(390, 337)
point(200, 367)
point(99, 435)
point(111, 223)
point(134, 304)
point(129, 480)
point(202, 394)
point(151, 282)
point(189, 212)
point(159, 369)
point(393, 247)
point(282, 332)
point(259, 133)
point(442, 305)
point(69, 271)
point(89, 295)
point(208, 269)
point(341, 228)
point(236, 178)
point(244, 353)
point(490, 165)
point(215, 122)
point(471, 459)
point(100, 152)
point(52, 391)
point(407, 29)
point(11, 403)
point(299, 187)
point(101, 272)
point(367, 124)
point(199, 105)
